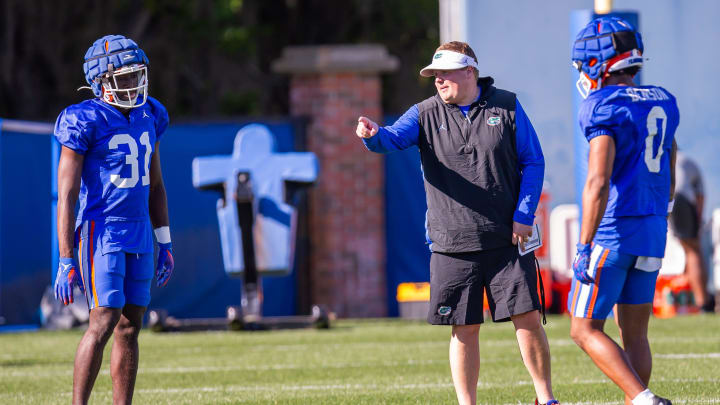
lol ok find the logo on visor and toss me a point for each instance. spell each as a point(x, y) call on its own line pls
point(438, 56)
point(492, 121)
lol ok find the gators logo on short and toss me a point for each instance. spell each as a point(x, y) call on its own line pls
point(438, 56)
point(493, 121)
point(443, 311)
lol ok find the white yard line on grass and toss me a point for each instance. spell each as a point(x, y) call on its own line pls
point(676, 356)
point(304, 366)
point(379, 388)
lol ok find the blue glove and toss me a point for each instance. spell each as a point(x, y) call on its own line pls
point(165, 264)
point(67, 277)
point(582, 263)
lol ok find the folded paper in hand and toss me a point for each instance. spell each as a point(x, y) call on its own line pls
point(533, 243)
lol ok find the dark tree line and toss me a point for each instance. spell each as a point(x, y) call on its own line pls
point(208, 58)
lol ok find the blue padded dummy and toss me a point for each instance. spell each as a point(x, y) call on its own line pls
point(274, 219)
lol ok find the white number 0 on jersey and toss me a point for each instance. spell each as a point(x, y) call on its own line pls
point(655, 114)
point(132, 160)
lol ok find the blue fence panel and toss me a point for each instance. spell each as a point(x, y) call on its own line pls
point(25, 219)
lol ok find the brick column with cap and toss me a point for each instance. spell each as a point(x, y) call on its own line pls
point(333, 85)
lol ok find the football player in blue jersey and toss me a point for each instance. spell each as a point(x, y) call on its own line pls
point(110, 158)
point(625, 202)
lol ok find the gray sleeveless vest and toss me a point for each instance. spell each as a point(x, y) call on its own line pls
point(471, 173)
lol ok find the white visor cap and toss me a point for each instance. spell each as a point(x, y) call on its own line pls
point(448, 60)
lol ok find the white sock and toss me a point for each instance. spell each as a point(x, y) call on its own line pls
point(644, 398)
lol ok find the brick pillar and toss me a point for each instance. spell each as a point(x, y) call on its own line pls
point(333, 85)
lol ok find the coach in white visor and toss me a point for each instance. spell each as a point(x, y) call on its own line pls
point(483, 170)
point(448, 60)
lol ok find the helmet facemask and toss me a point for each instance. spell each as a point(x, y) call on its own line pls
point(126, 87)
point(585, 85)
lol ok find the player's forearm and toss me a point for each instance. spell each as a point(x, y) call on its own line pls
point(158, 206)
point(594, 202)
point(66, 224)
point(69, 173)
point(158, 199)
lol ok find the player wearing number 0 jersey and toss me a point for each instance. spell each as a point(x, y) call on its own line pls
point(642, 122)
point(109, 160)
point(627, 196)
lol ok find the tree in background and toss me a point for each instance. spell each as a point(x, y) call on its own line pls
point(215, 55)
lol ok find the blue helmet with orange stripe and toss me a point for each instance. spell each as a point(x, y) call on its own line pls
point(605, 45)
point(116, 70)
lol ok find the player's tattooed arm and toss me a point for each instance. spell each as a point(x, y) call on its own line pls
point(69, 172)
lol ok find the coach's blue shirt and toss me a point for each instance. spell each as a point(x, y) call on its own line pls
point(115, 179)
point(405, 131)
point(642, 121)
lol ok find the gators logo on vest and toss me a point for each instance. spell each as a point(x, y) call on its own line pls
point(493, 121)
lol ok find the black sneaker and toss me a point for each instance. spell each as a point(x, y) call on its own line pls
point(709, 306)
point(661, 401)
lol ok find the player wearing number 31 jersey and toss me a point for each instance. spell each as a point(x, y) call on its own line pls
point(627, 196)
point(110, 160)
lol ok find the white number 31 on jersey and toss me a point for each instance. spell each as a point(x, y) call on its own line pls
point(132, 159)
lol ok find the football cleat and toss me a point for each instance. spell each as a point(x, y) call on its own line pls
point(661, 401)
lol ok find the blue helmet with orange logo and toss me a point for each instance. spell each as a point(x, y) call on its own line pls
point(605, 45)
point(116, 70)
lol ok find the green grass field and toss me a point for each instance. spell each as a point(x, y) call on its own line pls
point(356, 362)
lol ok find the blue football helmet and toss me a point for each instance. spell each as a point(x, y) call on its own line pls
point(116, 70)
point(605, 45)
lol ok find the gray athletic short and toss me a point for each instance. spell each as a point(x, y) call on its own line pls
point(457, 282)
point(683, 219)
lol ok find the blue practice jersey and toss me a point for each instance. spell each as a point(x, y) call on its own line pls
point(642, 121)
point(115, 182)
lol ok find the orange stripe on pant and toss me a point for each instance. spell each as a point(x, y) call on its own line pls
point(597, 283)
point(80, 262)
point(92, 262)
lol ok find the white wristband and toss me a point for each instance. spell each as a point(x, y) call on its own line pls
point(671, 204)
point(162, 234)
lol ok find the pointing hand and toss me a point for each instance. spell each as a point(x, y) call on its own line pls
point(366, 128)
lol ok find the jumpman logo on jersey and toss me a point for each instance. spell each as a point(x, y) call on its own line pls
point(145, 115)
point(65, 267)
point(442, 127)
